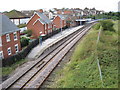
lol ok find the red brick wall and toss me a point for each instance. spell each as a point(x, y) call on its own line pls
point(30, 23)
point(57, 22)
point(11, 43)
point(68, 12)
point(37, 28)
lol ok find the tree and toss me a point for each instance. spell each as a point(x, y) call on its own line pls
point(24, 41)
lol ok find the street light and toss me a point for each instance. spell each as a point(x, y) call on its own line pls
point(80, 18)
point(40, 37)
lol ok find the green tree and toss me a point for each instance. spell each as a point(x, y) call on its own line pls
point(24, 41)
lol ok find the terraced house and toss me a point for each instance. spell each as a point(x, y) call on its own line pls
point(9, 37)
point(39, 24)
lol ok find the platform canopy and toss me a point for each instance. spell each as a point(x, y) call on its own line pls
point(81, 20)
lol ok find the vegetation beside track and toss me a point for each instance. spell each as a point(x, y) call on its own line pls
point(6, 71)
point(82, 70)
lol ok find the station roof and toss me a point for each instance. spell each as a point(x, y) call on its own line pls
point(81, 20)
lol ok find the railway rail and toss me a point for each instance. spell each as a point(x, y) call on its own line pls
point(34, 76)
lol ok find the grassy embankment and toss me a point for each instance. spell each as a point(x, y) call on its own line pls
point(82, 71)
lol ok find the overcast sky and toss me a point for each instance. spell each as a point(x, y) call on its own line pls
point(106, 5)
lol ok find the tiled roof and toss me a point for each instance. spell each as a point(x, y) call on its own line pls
point(43, 18)
point(6, 25)
point(62, 17)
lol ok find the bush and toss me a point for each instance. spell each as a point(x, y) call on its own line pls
point(107, 25)
point(28, 32)
point(24, 41)
point(97, 26)
point(20, 55)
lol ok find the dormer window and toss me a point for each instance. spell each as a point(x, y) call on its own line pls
point(15, 36)
point(7, 37)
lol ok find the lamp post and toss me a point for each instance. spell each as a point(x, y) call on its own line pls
point(80, 18)
point(40, 37)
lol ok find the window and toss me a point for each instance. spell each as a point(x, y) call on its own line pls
point(45, 32)
point(16, 48)
point(7, 37)
point(9, 51)
point(15, 35)
point(45, 26)
point(1, 55)
point(49, 26)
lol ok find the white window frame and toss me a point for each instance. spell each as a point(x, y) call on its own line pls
point(17, 48)
point(15, 36)
point(1, 55)
point(10, 51)
point(50, 25)
point(7, 37)
point(45, 26)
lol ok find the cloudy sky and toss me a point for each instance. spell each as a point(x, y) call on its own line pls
point(106, 5)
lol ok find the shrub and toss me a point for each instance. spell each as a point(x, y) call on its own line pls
point(107, 25)
point(28, 32)
point(97, 26)
point(24, 41)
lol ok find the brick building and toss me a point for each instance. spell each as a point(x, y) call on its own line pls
point(39, 24)
point(9, 37)
point(59, 21)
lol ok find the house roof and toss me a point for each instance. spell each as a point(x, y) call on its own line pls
point(44, 19)
point(7, 25)
point(62, 16)
point(14, 14)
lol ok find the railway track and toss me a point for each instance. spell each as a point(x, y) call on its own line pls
point(37, 74)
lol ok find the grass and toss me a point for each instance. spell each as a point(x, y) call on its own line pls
point(82, 71)
point(9, 69)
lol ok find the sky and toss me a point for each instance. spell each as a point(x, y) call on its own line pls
point(106, 5)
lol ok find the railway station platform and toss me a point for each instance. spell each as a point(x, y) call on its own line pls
point(37, 51)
